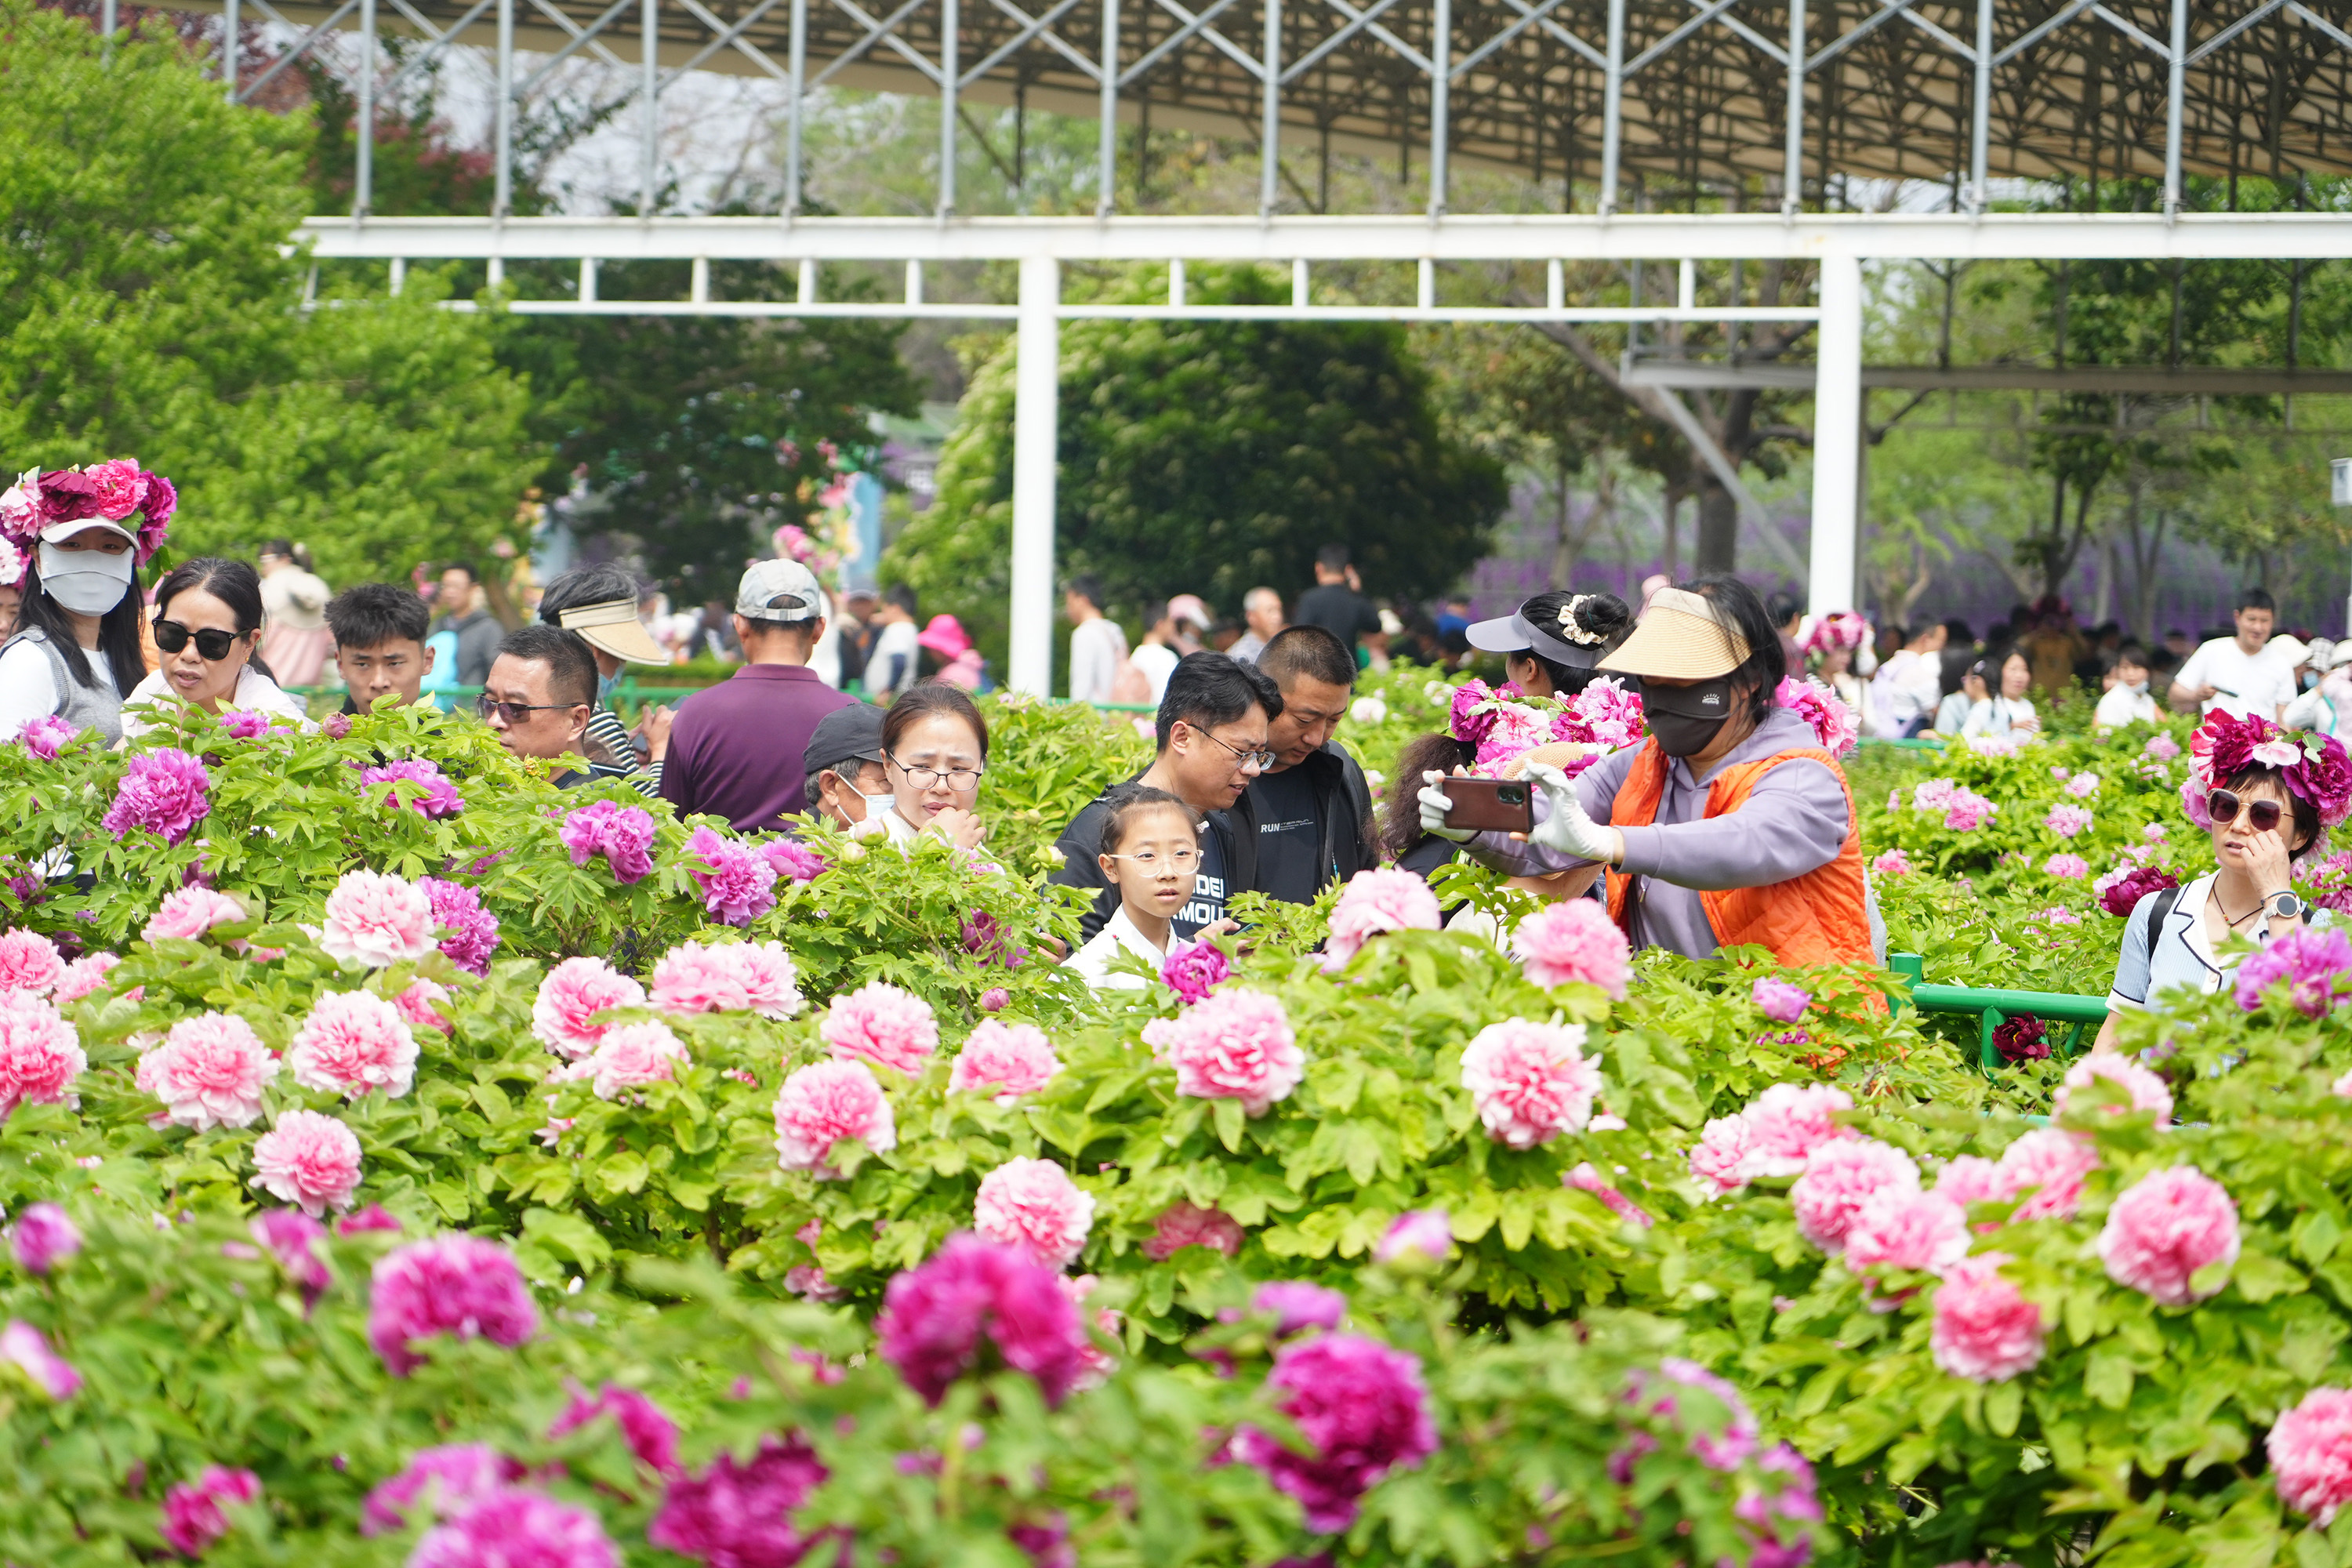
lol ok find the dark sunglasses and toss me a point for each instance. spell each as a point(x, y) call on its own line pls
point(514, 713)
point(2261, 816)
point(212, 643)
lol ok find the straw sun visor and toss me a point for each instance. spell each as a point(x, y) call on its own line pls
point(1681, 636)
point(613, 628)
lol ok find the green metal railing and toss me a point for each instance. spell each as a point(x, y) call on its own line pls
point(1994, 1006)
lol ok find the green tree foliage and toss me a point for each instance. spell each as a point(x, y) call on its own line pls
point(1212, 456)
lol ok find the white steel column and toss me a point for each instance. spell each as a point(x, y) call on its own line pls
point(1269, 174)
point(1981, 121)
point(1837, 437)
point(1107, 149)
point(1037, 435)
point(2172, 105)
point(502, 118)
point(949, 66)
point(1441, 101)
point(798, 72)
point(1612, 92)
point(363, 169)
point(649, 104)
point(229, 24)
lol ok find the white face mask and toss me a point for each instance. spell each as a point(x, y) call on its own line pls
point(86, 582)
point(875, 805)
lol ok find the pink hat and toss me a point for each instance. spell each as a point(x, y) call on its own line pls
point(944, 637)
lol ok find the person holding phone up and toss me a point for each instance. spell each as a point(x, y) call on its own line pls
point(1728, 825)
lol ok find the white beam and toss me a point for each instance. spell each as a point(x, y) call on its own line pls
point(1037, 419)
point(1837, 438)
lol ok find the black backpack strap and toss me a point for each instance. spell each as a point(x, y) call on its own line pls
point(2159, 912)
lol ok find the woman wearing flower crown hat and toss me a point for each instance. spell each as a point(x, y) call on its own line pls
point(84, 533)
point(2267, 796)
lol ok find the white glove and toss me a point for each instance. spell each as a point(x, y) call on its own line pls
point(1570, 828)
point(1433, 807)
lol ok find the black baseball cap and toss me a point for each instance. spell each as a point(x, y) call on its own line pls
point(844, 735)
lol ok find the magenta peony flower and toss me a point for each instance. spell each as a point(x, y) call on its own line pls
point(336, 726)
point(995, 999)
point(1901, 1228)
point(1463, 720)
point(1985, 1331)
point(291, 1238)
point(2315, 963)
point(1834, 725)
point(420, 1005)
point(1364, 1412)
point(824, 1102)
point(417, 785)
point(309, 1160)
point(1530, 1082)
point(208, 1072)
point(2066, 821)
point(2147, 1091)
point(43, 1238)
point(1603, 714)
point(192, 1519)
point(729, 978)
point(1585, 1178)
point(473, 930)
point(1573, 941)
point(2164, 1228)
point(1787, 1123)
point(515, 1529)
point(162, 793)
point(571, 996)
point(1295, 1306)
point(652, 1437)
point(1721, 1449)
point(624, 835)
point(456, 1285)
point(26, 1348)
point(1891, 863)
point(985, 939)
point(1382, 899)
point(2311, 1454)
point(883, 1025)
point(736, 882)
point(1033, 1205)
point(438, 1482)
point(2121, 889)
point(245, 723)
point(40, 1053)
point(1236, 1044)
point(934, 1317)
point(187, 914)
point(1416, 1237)
point(1781, 1001)
point(373, 919)
point(29, 963)
point(631, 1055)
point(1840, 1177)
point(793, 858)
point(740, 1515)
point(1182, 1225)
point(2024, 1039)
point(2049, 1163)
point(2072, 867)
point(1007, 1061)
point(353, 1044)
point(1194, 969)
point(46, 736)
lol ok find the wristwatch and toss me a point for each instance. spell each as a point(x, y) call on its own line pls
point(2283, 906)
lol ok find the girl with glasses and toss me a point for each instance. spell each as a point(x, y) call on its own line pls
point(208, 629)
point(82, 534)
point(934, 751)
point(1151, 854)
point(2262, 815)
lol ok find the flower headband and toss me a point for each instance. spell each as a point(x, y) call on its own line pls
point(1838, 629)
point(107, 492)
point(1575, 630)
point(2314, 767)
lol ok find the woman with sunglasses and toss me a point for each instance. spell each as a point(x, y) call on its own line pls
point(208, 629)
point(2263, 814)
point(934, 751)
point(83, 534)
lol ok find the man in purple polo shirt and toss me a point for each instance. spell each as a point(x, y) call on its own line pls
point(735, 750)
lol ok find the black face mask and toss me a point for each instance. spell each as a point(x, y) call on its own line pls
point(1685, 718)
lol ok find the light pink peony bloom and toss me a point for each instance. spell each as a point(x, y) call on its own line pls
point(1985, 1331)
point(882, 1025)
point(824, 1102)
point(517, 1529)
point(456, 1285)
point(771, 980)
point(1007, 1061)
point(45, 737)
point(375, 920)
point(1965, 810)
point(1234, 1044)
point(1182, 1225)
point(208, 1072)
point(2066, 821)
point(1787, 1122)
point(1891, 863)
point(353, 1044)
point(1530, 1082)
point(731, 977)
point(1840, 1177)
point(1570, 942)
point(1721, 1154)
point(2050, 1165)
point(84, 977)
point(572, 993)
point(2069, 867)
point(1585, 1178)
point(26, 1349)
point(2164, 1228)
point(1973, 1179)
point(631, 1055)
point(192, 1519)
point(420, 1004)
point(309, 1160)
point(43, 1238)
point(1382, 899)
point(40, 1053)
point(2341, 1087)
point(30, 962)
point(1417, 1236)
point(1900, 1228)
point(1033, 1205)
point(2311, 1454)
point(187, 914)
point(437, 1483)
point(2148, 1091)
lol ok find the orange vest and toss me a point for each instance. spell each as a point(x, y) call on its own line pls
point(1816, 918)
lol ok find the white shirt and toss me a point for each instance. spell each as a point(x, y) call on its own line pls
point(2121, 705)
point(1157, 661)
point(2327, 708)
point(1952, 713)
point(255, 690)
point(1098, 647)
point(27, 690)
point(2183, 953)
point(1908, 685)
point(2244, 683)
point(1998, 717)
point(1118, 934)
point(897, 639)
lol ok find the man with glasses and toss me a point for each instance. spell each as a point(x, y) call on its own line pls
point(541, 690)
point(1313, 805)
point(736, 749)
point(1213, 733)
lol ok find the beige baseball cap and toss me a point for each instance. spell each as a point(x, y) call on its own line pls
point(613, 627)
point(1682, 636)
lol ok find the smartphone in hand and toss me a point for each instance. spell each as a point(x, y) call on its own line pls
point(1499, 806)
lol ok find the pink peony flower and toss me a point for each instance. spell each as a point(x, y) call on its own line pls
point(2083, 785)
point(2059, 915)
point(736, 882)
point(309, 1160)
point(438, 1482)
point(2066, 821)
point(1033, 1205)
point(1973, 1179)
point(1530, 1082)
point(1891, 863)
point(2310, 1452)
point(1297, 1306)
point(420, 1005)
point(116, 490)
point(1840, 1177)
point(372, 1217)
point(40, 1053)
point(30, 962)
point(208, 1072)
point(883, 1025)
point(1572, 941)
point(1781, 1001)
point(1787, 1122)
point(373, 919)
point(162, 793)
point(353, 1044)
point(1933, 794)
point(1382, 899)
point(1007, 1061)
point(192, 1519)
point(624, 835)
point(2316, 963)
point(1416, 1237)
point(291, 1238)
point(1603, 714)
point(769, 979)
point(43, 1238)
point(456, 1285)
point(1985, 1330)
point(570, 997)
point(2049, 1164)
point(823, 1103)
point(189, 913)
point(2072, 867)
point(1902, 1227)
point(631, 1055)
point(1720, 1158)
point(1234, 1045)
point(516, 1529)
point(473, 930)
point(1194, 969)
point(1966, 810)
point(935, 1315)
point(1722, 1449)
point(417, 785)
point(793, 858)
point(84, 977)
point(2164, 1228)
point(1834, 725)
point(46, 736)
point(739, 1513)
point(652, 1437)
point(26, 1349)
point(730, 978)
point(987, 939)
point(1182, 1225)
point(995, 999)
point(2147, 1091)
point(1364, 1415)
point(1585, 1178)
point(245, 723)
